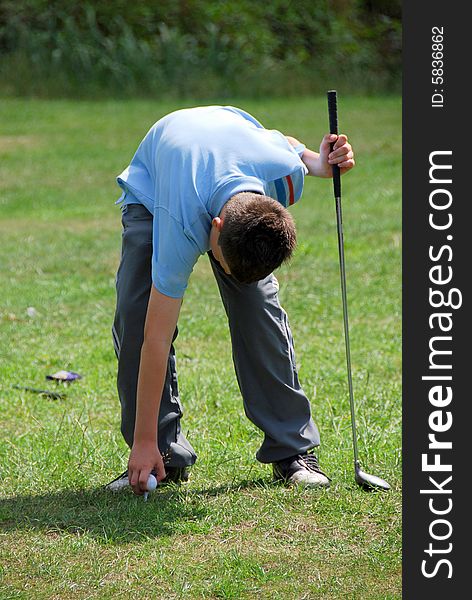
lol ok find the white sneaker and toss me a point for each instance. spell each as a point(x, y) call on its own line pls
point(118, 484)
point(174, 474)
point(301, 469)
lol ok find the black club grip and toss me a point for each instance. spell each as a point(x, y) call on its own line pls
point(333, 128)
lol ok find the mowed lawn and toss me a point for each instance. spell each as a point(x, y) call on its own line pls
point(230, 532)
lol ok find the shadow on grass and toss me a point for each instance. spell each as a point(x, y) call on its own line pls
point(116, 517)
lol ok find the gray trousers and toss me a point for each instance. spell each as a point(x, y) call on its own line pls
point(262, 344)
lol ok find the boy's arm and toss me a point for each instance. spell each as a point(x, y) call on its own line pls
point(161, 320)
point(319, 165)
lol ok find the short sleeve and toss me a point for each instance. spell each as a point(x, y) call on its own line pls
point(287, 190)
point(174, 255)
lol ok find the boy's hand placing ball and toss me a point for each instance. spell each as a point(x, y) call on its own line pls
point(144, 458)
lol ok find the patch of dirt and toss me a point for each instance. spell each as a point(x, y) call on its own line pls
point(11, 142)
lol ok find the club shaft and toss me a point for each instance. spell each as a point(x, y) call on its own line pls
point(342, 266)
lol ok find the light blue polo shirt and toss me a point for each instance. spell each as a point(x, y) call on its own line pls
point(189, 165)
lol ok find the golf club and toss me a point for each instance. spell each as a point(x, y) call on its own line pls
point(365, 480)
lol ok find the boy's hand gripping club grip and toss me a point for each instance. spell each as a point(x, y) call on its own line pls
point(333, 128)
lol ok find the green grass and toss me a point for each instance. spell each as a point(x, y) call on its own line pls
point(229, 533)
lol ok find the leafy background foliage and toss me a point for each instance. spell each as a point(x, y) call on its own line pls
point(198, 48)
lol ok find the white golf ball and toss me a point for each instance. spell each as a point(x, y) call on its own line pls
point(151, 483)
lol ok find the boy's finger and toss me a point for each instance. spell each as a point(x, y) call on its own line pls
point(346, 165)
point(340, 154)
point(134, 481)
point(327, 140)
point(342, 139)
point(159, 472)
point(143, 479)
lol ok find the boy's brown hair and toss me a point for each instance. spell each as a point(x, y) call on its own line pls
point(257, 236)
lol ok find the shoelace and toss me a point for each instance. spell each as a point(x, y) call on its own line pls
point(311, 462)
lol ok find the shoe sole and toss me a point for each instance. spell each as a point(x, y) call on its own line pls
point(293, 480)
point(323, 482)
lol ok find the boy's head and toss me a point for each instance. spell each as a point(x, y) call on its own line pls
point(254, 236)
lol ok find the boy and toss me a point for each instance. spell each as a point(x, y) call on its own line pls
point(212, 180)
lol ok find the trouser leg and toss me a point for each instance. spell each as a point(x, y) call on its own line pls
point(133, 286)
point(264, 362)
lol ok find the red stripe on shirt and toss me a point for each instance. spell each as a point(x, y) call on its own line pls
point(290, 189)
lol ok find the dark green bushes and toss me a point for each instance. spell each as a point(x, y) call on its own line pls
point(197, 48)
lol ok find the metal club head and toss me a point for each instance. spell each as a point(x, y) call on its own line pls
point(369, 482)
